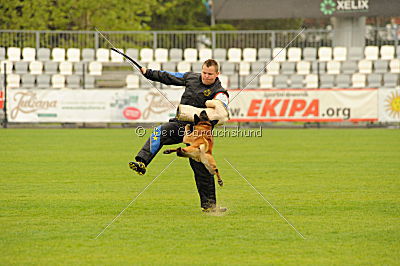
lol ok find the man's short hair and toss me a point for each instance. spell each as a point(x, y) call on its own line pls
point(211, 62)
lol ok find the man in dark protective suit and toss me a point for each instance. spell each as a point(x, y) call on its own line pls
point(199, 88)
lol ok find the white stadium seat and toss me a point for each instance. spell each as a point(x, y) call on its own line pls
point(205, 54)
point(65, 68)
point(244, 68)
point(14, 54)
point(279, 54)
point(58, 54)
point(36, 67)
point(365, 66)
point(73, 55)
point(387, 52)
point(190, 55)
point(146, 55)
point(303, 67)
point(340, 53)
point(358, 80)
point(249, 55)
point(9, 67)
point(311, 81)
point(13, 81)
point(325, 54)
point(95, 68)
point(154, 66)
point(294, 54)
point(28, 54)
point(161, 55)
point(234, 55)
point(116, 57)
point(183, 67)
point(102, 55)
point(394, 65)
point(266, 81)
point(371, 52)
point(273, 68)
point(224, 80)
point(333, 67)
point(58, 81)
point(132, 81)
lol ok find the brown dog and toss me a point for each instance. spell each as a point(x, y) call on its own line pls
point(200, 142)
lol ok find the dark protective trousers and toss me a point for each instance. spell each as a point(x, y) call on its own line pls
point(172, 133)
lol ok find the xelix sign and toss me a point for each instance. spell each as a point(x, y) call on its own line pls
point(330, 7)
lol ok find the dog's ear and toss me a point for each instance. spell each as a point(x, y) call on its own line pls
point(204, 116)
point(214, 122)
point(196, 119)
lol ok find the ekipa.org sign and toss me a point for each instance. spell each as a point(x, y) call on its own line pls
point(329, 7)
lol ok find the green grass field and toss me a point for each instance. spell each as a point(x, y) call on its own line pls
point(340, 188)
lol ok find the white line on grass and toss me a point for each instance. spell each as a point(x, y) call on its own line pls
point(262, 196)
point(135, 198)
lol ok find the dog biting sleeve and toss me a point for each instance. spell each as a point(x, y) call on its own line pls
point(216, 110)
point(155, 140)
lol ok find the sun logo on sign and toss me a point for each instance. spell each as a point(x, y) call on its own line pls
point(393, 104)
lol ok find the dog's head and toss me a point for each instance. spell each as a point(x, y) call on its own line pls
point(204, 120)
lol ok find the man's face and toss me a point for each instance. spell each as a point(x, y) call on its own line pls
point(208, 75)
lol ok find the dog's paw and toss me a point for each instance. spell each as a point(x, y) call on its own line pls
point(220, 183)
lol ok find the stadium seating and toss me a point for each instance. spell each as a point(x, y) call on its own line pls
point(88, 55)
point(264, 54)
point(73, 55)
point(294, 67)
point(279, 54)
point(14, 54)
point(73, 81)
point(2, 53)
point(58, 54)
point(161, 55)
point(339, 53)
point(58, 81)
point(13, 81)
point(266, 81)
point(294, 54)
point(36, 67)
point(65, 68)
point(132, 81)
point(21, 67)
point(343, 81)
point(249, 55)
point(175, 55)
point(29, 54)
point(103, 55)
point(43, 81)
point(116, 57)
point(311, 81)
point(43, 54)
point(234, 55)
point(205, 54)
point(183, 67)
point(190, 55)
point(27, 81)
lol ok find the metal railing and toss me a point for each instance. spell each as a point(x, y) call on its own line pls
point(187, 39)
point(164, 39)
